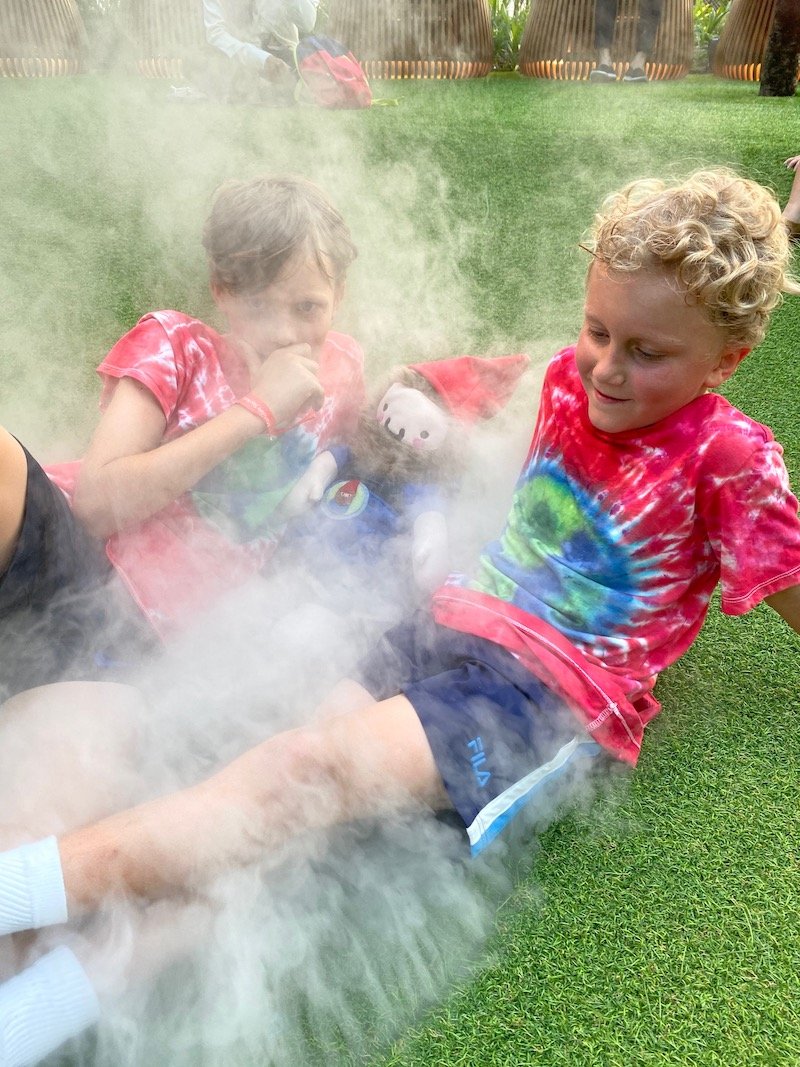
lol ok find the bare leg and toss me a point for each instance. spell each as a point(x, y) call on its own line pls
point(369, 762)
point(158, 935)
point(791, 213)
point(345, 696)
point(13, 483)
point(65, 757)
point(63, 991)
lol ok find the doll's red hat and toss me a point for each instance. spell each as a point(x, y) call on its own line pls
point(474, 387)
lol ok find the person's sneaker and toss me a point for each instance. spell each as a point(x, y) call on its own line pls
point(635, 74)
point(187, 93)
point(603, 73)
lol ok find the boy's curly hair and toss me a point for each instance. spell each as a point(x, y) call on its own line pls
point(719, 234)
point(256, 227)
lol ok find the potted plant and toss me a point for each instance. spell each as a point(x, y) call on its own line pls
point(709, 15)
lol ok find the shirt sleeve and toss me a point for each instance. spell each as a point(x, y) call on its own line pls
point(145, 355)
point(219, 36)
point(754, 529)
point(303, 14)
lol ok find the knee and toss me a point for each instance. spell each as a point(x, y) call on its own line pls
point(296, 771)
point(311, 760)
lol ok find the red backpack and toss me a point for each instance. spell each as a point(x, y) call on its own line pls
point(331, 74)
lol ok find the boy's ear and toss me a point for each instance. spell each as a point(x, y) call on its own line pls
point(338, 295)
point(727, 365)
point(218, 292)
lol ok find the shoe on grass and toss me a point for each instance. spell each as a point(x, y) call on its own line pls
point(186, 93)
point(603, 73)
point(635, 74)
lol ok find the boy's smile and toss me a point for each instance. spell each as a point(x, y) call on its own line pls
point(644, 352)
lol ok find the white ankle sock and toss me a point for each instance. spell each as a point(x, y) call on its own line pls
point(31, 887)
point(44, 1006)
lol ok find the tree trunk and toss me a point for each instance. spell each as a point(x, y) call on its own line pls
point(779, 69)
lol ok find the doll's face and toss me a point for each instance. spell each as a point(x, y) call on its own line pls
point(413, 418)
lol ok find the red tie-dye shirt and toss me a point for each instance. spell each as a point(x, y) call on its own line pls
point(615, 543)
point(180, 560)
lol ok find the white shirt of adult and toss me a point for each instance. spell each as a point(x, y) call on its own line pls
point(235, 27)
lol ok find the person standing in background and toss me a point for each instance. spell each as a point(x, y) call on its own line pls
point(605, 16)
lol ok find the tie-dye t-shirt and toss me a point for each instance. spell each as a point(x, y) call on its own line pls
point(615, 542)
point(177, 562)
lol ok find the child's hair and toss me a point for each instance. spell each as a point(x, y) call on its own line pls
point(257, 227)
point(720, 235)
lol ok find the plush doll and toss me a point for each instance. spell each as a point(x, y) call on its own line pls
point(370, 519)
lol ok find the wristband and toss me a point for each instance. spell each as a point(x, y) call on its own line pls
point(257, 407)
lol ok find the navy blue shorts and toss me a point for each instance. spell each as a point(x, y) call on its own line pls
point(499, 736)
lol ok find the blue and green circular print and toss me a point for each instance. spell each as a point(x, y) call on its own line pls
point(561, 557)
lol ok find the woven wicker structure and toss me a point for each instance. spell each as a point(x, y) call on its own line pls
point(416, 38)
point(559, 42)
point(164, 33)
point(40, 38)
point(743, 40)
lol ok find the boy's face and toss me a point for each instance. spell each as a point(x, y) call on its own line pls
point(296, 308)
point(643, 352)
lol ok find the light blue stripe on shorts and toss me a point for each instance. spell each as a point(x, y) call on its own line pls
point(499, 812)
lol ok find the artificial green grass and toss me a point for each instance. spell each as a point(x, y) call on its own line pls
point(661, 925)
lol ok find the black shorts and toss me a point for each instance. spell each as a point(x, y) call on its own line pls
point(499, 736)
point(62, 615)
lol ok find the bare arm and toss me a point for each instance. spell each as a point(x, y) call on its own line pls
point(310, 486)
point(13, 483)
point(127, 474)
point(787, 605)
point(222, 36)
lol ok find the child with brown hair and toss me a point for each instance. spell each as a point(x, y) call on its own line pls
point(642, 491)
point(202, 433)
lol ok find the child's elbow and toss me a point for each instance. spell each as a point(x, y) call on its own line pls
point(93, 512)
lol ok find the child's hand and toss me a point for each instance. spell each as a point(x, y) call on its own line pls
point(792, 162)
point(277, 72)
point(430, 552)
point(309, 487)
point(288, 382)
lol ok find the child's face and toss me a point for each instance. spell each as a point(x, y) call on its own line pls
point(643, 352)
point(297, 308)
